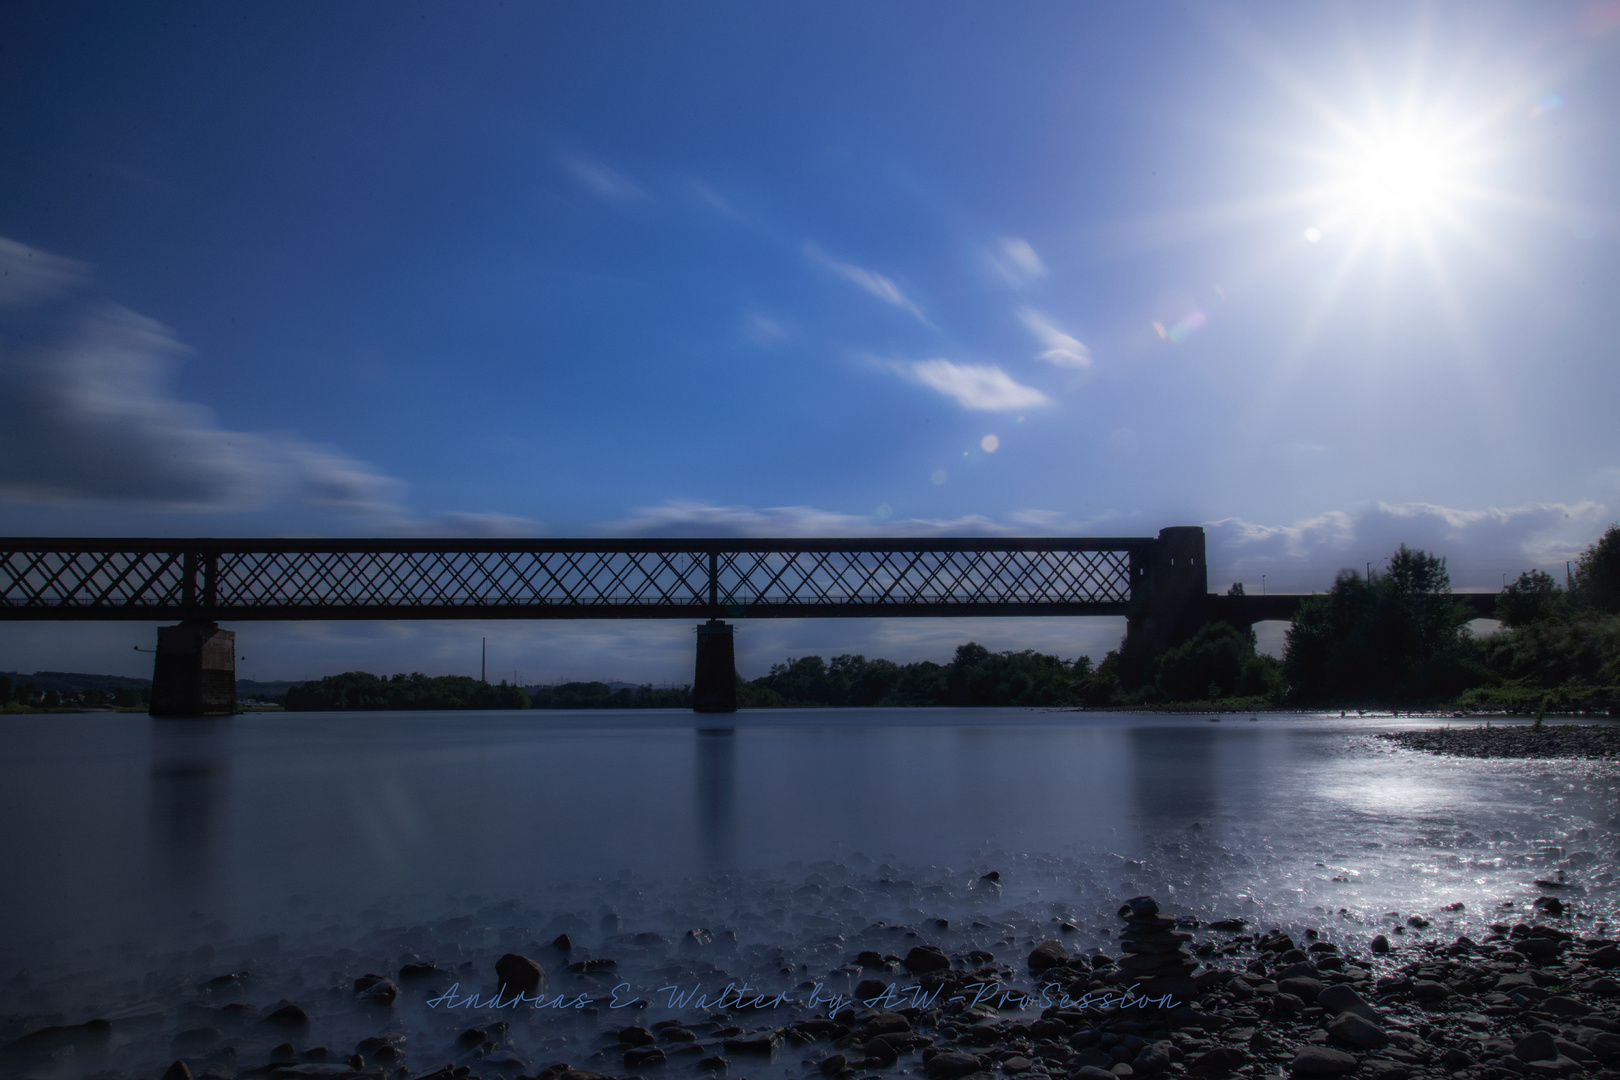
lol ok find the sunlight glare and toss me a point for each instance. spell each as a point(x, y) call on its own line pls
point(1397, 182)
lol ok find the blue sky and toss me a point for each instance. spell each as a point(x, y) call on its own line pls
point(1322, 277)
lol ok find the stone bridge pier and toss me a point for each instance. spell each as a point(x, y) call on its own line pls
point(194, 672)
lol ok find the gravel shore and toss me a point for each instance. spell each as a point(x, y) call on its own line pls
point(1590, 741)
point(1536, 997)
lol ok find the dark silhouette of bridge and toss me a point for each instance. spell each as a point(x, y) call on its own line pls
point(1160, 584)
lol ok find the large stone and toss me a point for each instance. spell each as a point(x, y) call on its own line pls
point(287, 1015)
point(1301, 987)
point(1152, 1059)
point(519, 974)
point(1539, 949)
point(1172, 963)
point(52, 1039)
point(640, 1057)
point(1357, 1032)
point(1181, 988)
point(880, 1052)
point(1218, 1062)
point(1092, 1072)
point(1322, 1061)
point(1048, 954)
point(1139, 907)
point(1536, 1046)
point(765, 1044)
point(1339, 998)
point(1428, 990)
point(951, 1065)
point(926, 958)
point(1564, 1006)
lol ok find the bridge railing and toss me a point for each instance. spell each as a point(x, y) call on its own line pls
point(154, 579)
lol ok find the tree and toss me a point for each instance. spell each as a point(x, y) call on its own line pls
point(5, 690)
point(1595, 585)
point(1395, 635)
point(1534, 597)
point(1218, 661)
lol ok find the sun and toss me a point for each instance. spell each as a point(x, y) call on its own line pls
point(1397, 181)
point(1405, 179)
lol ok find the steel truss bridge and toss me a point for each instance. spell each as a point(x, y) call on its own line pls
point(160, 579)
point(1160, 584)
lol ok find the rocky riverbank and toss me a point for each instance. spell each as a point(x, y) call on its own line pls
point(1589, 741)
point(1537, 996)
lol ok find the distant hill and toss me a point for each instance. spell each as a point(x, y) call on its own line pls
point(73, 682)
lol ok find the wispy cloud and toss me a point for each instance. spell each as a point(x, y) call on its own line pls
point(473, 525)
point(975, 386)
point(884, 288)
point(29, 276)
point(600, 180)
point(1016, 261)
point(695, 518)
point(1062, 349)
point(90, 419)
point(1479, 545)
point(764, 330)
point(684, 518)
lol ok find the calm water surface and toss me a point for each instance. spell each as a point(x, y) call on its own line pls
point(122, 826)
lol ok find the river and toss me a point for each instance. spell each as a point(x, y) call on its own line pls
point(314, 845)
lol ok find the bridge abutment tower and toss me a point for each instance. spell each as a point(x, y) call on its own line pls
point(714, 683)
point(1171, 602)
point(194, 672)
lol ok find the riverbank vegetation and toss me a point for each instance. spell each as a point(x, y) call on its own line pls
point(357, 690)
point(1398, 638)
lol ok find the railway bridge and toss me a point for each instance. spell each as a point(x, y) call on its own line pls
point(1160, 584)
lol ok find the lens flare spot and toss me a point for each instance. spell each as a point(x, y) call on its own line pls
point(884, 512)
point(1547, 104)
point(1185, 327)
point(990, 444)
point(1313, 234)
point(938, 477)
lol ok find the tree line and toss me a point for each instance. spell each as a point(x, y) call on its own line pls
point(26, 697)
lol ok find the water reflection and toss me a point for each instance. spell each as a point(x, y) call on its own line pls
point(715, 798)
point(1173, 776)
point(190, 784)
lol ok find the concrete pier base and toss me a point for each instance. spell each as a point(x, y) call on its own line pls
point(714, 684)
point(195, 671)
